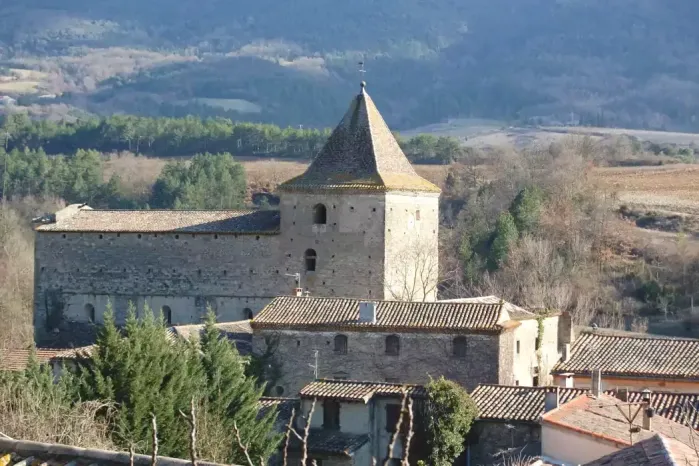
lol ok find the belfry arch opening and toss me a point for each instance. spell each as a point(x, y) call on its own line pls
point(320, 214)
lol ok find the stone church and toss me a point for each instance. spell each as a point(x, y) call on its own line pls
point(359, 223)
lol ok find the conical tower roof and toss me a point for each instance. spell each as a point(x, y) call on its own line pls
point(360, 155)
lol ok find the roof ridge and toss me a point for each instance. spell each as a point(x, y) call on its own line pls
point(639, 337)
point(368, 382)
point(421, 303)
point(363, 96)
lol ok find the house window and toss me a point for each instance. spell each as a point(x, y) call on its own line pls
point(320, 214)
point(331, 415)
point(392, 345)
point(517, 346)
point(90, 312)
point(536, 343)
point(340, 344)
point(459, 347)
point(310, 257)
point(248, 313)
point(167, 314)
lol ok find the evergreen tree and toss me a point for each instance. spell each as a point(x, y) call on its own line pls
point(143, 372)
point(526, 209)
point(450, 411)
point(234, 396)
point(504, 238)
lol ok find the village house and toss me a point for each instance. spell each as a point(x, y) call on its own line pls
point(631, 361)
point(353, 422)
point(403, 342)
point(508, 422)
point(359, 223)
point(594, 425)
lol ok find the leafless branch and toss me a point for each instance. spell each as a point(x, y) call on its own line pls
point(289, 429)
point(243, 447)
point(154, 454)
point(192, 421)
point(306, 430)
point(396, 430)
point(409, 438)
point(132, 452)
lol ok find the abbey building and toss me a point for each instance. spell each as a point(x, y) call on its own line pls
point(359, 223)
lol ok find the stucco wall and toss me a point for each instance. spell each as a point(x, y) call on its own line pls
point(421, 355)
point(573, 448)
point(412, 255)
point(526, 359)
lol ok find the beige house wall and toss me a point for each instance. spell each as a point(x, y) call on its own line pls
point(573, 448)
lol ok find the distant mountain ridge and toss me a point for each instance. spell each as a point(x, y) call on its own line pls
point(622, 63)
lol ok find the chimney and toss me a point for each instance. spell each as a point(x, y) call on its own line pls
point(596, 382)
point(298, 292)
point(566, 352)
point(647, 409)
point(623, 394)
point(367, 311)
point(551, 397)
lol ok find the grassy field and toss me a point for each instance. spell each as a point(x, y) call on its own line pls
point(21, 81)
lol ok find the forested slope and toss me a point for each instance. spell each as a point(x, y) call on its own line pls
point(622, 63)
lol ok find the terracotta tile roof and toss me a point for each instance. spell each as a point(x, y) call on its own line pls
point(632, 356)
point(17, 359)
point(515, 312)
point(526, 404)
point(657, 450)
point(331, 442)
point(75, 353)
point(283, 406)
point(516, 403)
point(352, 390)
point(360, 155)
point(289, 312)
point(600, 418)
point(24, 453)
point(166, 221)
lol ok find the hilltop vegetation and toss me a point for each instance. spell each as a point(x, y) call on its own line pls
point(623, 63)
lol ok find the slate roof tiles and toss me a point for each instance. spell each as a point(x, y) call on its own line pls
point(628, 356)
point(310, 313)
point(361, 155)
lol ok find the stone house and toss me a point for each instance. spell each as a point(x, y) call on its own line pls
point(353, 422)
point(631, 361)
point(400, 342)
point(359, 223)
point(509, 417)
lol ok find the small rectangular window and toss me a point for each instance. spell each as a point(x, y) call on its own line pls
point(517, 346)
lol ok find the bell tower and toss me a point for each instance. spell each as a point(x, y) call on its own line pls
point(360, 222)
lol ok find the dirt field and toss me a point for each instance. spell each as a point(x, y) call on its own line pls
point(673, 188)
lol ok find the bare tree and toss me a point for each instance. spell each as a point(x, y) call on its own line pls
point(412, 273)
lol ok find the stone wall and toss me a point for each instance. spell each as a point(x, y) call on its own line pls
point(235, 274)
point(489, 438)
point(421, 355)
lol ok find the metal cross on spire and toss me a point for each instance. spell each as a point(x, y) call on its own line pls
point(362, 72)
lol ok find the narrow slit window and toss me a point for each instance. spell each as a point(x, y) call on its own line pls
point(310, 257)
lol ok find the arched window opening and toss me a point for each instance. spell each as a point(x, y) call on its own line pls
point(248, 313)
point(320, 214)
point(167, 314)
point(459, 347)
point(341, 344)
point(310, 257)
point(392, 345)
point(90, 312)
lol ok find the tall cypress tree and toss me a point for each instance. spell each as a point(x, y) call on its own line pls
point(235, 396)
point(144, 373)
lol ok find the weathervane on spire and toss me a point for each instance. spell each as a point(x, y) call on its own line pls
point(362, 72)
